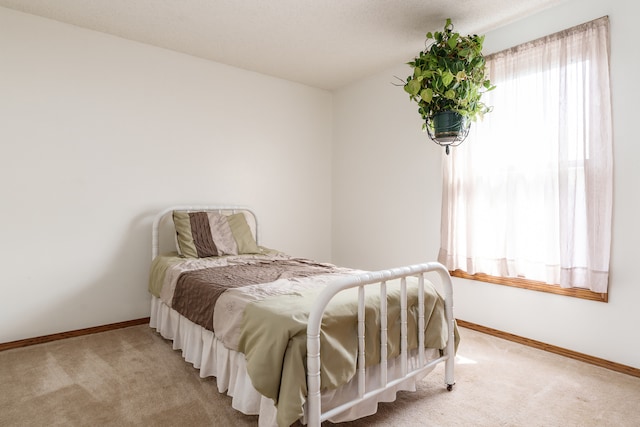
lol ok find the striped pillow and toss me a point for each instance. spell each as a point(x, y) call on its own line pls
point(204, 234)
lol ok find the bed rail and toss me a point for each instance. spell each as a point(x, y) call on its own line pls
point(314, 411)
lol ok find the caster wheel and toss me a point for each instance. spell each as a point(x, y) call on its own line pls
point(449, 387)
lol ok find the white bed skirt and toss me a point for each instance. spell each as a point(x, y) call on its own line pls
point(201, 348)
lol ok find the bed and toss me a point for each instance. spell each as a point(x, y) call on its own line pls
point(290, 338)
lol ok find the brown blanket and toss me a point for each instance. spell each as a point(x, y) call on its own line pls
point(198, 291)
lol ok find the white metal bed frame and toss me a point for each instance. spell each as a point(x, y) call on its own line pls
point(313, 410)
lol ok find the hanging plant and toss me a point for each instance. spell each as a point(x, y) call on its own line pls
point(449, 77)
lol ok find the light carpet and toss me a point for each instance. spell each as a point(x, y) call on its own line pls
point(132, 377)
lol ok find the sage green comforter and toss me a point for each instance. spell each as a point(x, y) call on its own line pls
point(273, 339)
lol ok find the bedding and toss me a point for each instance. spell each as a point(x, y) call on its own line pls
point(239, 312)
point(211, 357)
point(188, 285)
point(197, 291)
point(273, 339)
point(202, 234)
point(259, 304)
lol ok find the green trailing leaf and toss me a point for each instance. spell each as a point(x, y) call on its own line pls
point(426, 95)
point(487, 84)
point(447, 78)
point(413, 87)
point(453, 41)
point(449, 75)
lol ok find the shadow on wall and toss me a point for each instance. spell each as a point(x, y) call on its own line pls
point(118, 294)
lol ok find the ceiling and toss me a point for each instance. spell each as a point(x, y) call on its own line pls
point(322, 43)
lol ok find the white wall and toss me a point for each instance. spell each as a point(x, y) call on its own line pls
point(98, 133)
point(382, 168)
point(387, 190)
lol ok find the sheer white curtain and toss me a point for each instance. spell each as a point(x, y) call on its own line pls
point(529, 193)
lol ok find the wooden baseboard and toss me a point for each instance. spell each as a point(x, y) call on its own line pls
point(552, 348)
point(71, 334)
point(462, 323)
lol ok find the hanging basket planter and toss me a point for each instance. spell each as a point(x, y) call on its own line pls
point(447, 83)
point(447, 129)
point(448, 125)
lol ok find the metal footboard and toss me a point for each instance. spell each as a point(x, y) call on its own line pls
point(314, 412)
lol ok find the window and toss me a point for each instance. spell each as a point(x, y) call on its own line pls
point(529, 194)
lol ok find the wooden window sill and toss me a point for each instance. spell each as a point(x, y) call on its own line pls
point(533, 286)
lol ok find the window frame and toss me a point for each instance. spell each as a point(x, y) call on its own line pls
point(533, 285)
